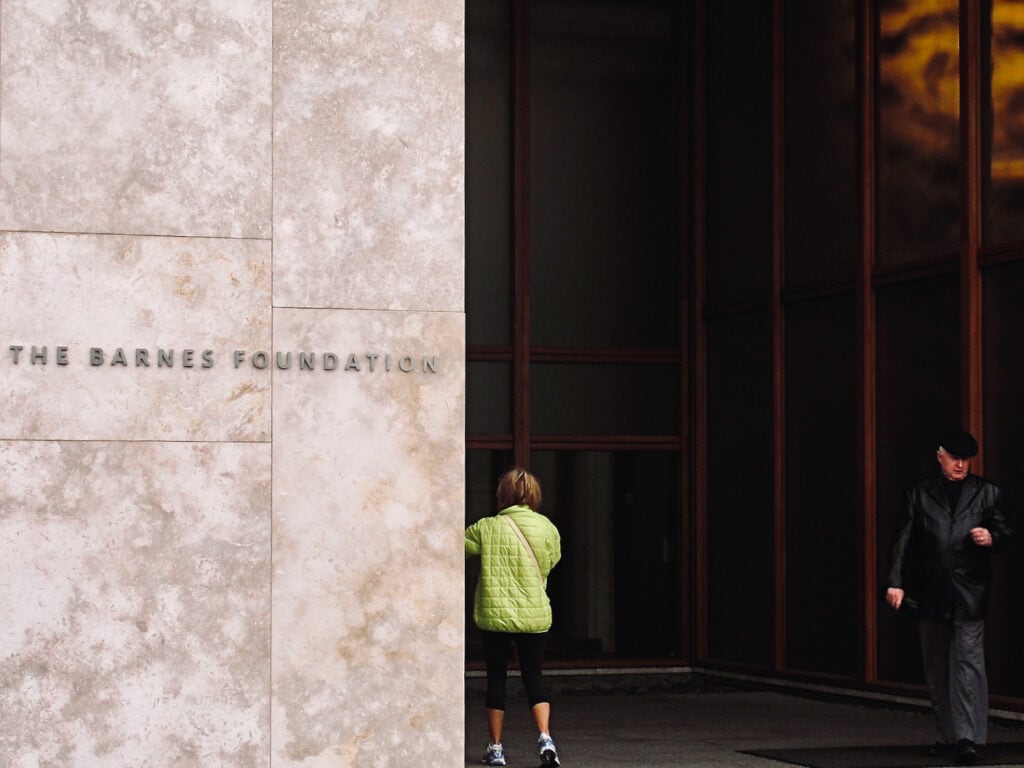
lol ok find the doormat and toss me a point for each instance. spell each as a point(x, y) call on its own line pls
point(887, 756)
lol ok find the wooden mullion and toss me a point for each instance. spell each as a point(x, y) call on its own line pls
point(778, 332)
point(866, 324)
point(685, 581)
point(521, 232)
point(699, 338)
point(970, 277)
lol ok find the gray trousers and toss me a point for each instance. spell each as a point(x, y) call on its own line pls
point(953, 651)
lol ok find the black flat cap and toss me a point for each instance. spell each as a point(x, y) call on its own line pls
point(959, 443)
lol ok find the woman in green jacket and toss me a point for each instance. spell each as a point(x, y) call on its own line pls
point(518, 547)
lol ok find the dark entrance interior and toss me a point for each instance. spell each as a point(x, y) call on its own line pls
point(730, 270)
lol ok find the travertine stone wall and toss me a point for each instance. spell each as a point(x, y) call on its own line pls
point(367, 593)
point(231, 382)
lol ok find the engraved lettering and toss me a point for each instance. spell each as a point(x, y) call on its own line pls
point(191, 358)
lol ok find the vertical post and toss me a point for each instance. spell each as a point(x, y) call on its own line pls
point(700, 362)
point(866, 324)
point(685, 38)
point(778, 331)
point(971, 205)
point(521, 232)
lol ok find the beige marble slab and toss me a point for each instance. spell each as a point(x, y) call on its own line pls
point(112, 293)
point(369, 154)
point(368, 561)
point(134, 590)
point(136, 118)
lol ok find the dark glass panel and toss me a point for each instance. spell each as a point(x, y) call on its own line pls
point(604, 399)
point(823, 523)
point(488, 398)
point(822, 227)
point(918, 131)
point(616, 591)
point(1004, 140)
point(739, 153)
point(1002, 456)
point(604, 174)
point(918, 397)
point(740, 498)
point(488, 172)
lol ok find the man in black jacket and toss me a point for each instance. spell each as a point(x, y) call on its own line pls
point(951, 522)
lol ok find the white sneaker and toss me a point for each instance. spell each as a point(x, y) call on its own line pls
point(494, 755)
point(548, 753)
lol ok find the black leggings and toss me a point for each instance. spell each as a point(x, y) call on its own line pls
point(498, 650)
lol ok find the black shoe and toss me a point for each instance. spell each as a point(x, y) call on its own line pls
point(966, 752)
point(940, 749)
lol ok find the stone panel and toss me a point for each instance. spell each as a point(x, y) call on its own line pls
point(368, 552)
point(136, 118)
point(135, 596)
point(107, 292)
point(368, 154)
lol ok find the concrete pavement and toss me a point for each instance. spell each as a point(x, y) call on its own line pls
point(696, 721)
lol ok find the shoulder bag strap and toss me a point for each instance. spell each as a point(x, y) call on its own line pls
point(526, 544)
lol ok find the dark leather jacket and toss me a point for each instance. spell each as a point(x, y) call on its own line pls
point(933, 559)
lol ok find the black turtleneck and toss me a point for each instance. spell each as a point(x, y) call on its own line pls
point(952, 488)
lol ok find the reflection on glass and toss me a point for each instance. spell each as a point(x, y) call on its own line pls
point(919, 130)
point(1005, 142)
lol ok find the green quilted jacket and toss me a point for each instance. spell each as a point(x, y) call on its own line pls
point(511, 595)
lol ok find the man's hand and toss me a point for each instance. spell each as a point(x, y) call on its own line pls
point(981, 536)
point(894, 597)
